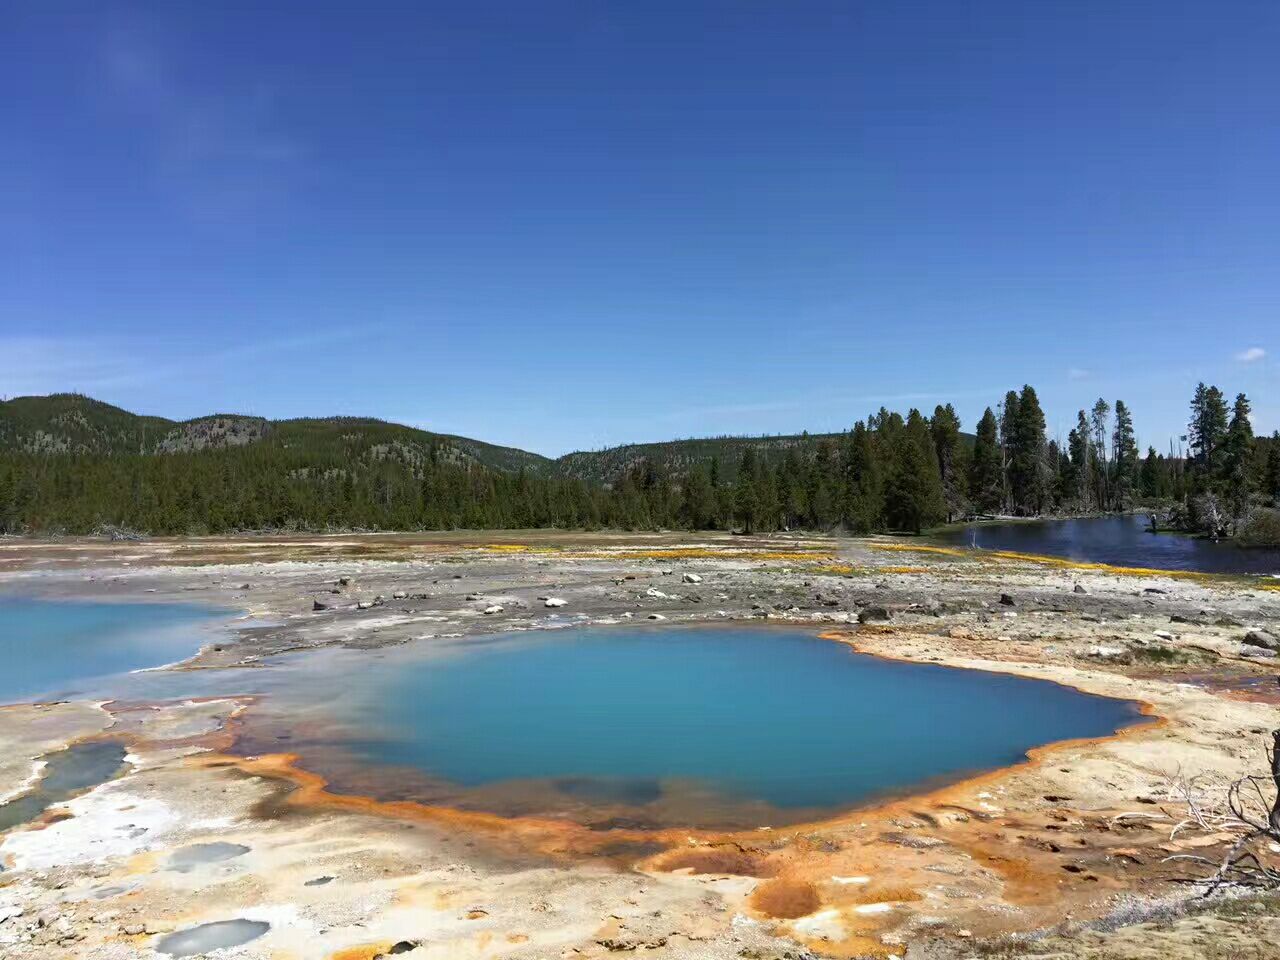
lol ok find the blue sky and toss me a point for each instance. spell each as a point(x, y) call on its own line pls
point(566, 225)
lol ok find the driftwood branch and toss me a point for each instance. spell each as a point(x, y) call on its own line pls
point(1253, 804)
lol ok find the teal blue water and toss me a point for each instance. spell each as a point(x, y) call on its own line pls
point(58, 649)
point(699, 726)
point(641, 717)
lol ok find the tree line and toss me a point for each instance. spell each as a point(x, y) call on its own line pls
point(889, 472)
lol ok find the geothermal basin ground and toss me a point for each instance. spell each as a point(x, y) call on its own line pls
point(242, 822)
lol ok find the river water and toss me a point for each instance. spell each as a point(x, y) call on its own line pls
point(1121, 541)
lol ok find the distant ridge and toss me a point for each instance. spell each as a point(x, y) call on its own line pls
point(77, 424)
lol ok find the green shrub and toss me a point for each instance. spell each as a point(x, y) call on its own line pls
point(1261, 528)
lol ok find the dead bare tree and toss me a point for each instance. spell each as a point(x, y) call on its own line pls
point(1253, 817)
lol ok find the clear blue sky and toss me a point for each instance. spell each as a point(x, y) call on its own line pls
point(565, 225)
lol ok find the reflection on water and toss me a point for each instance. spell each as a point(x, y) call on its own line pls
point(1120, 541)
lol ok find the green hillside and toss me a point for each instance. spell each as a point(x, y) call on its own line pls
point(677, 457)
point(75, 424)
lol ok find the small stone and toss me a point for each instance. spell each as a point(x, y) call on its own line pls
point(134, 929)
point(1079, 589)
point(656, 616)
point(553, 602)
point(1007, 600)
point(490, 610)
point(317, 605)
point(691, 578)
point(399, 595)
point(1261, 638)
point(364, 605)
point(871, 614)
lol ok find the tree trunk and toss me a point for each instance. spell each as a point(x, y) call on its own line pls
point(1275, 776)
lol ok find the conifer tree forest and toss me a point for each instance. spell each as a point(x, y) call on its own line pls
point(891, 472)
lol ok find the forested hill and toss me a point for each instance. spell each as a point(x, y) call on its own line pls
point(677, 457)
point(75, 424)
point(68, 463)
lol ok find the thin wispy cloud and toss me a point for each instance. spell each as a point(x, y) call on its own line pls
point(1252, 355)
point(221, 153)
point(94, 365)
point(36, 365)
point(1078, 373)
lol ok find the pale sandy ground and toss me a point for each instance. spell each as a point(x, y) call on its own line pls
point(1045, 859)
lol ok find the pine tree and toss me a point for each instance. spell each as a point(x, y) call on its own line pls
point(1081, 451)
point(1237, 455)
point(1273, 470)
point(1099, 423)
point(1125, 450)
point(913, 498)
point(1206, 433)
point(985, 470)
point(746, 503)
point(1027, 470)
point(950, 452)
point(863, 482)
point(1008, 441)
point(1149, 482)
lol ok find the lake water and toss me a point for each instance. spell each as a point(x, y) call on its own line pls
point(710, 726)
point(1121, 541)
point(58, 650)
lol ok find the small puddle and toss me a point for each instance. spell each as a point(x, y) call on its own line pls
point(211, 936)
point(186, 859)
point(67, 773)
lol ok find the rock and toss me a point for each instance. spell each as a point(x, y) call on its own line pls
point(134, 929)
point(1258, 653)
point(870, 614)
point(1079, 589)
point(317, 605)
point(691, 578)
point(1153, 590)
point(490, 610)
point(1260, 638)
point(364, 605)
point(1164, 635)
point(554, 602)
point(960, 633)
point(472, 597)
point(1007, 600)
point(399, 595)
point(656, 616)
point(344, 581)
point(655, 593)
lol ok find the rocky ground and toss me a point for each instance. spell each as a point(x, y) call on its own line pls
point(1066, 855)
